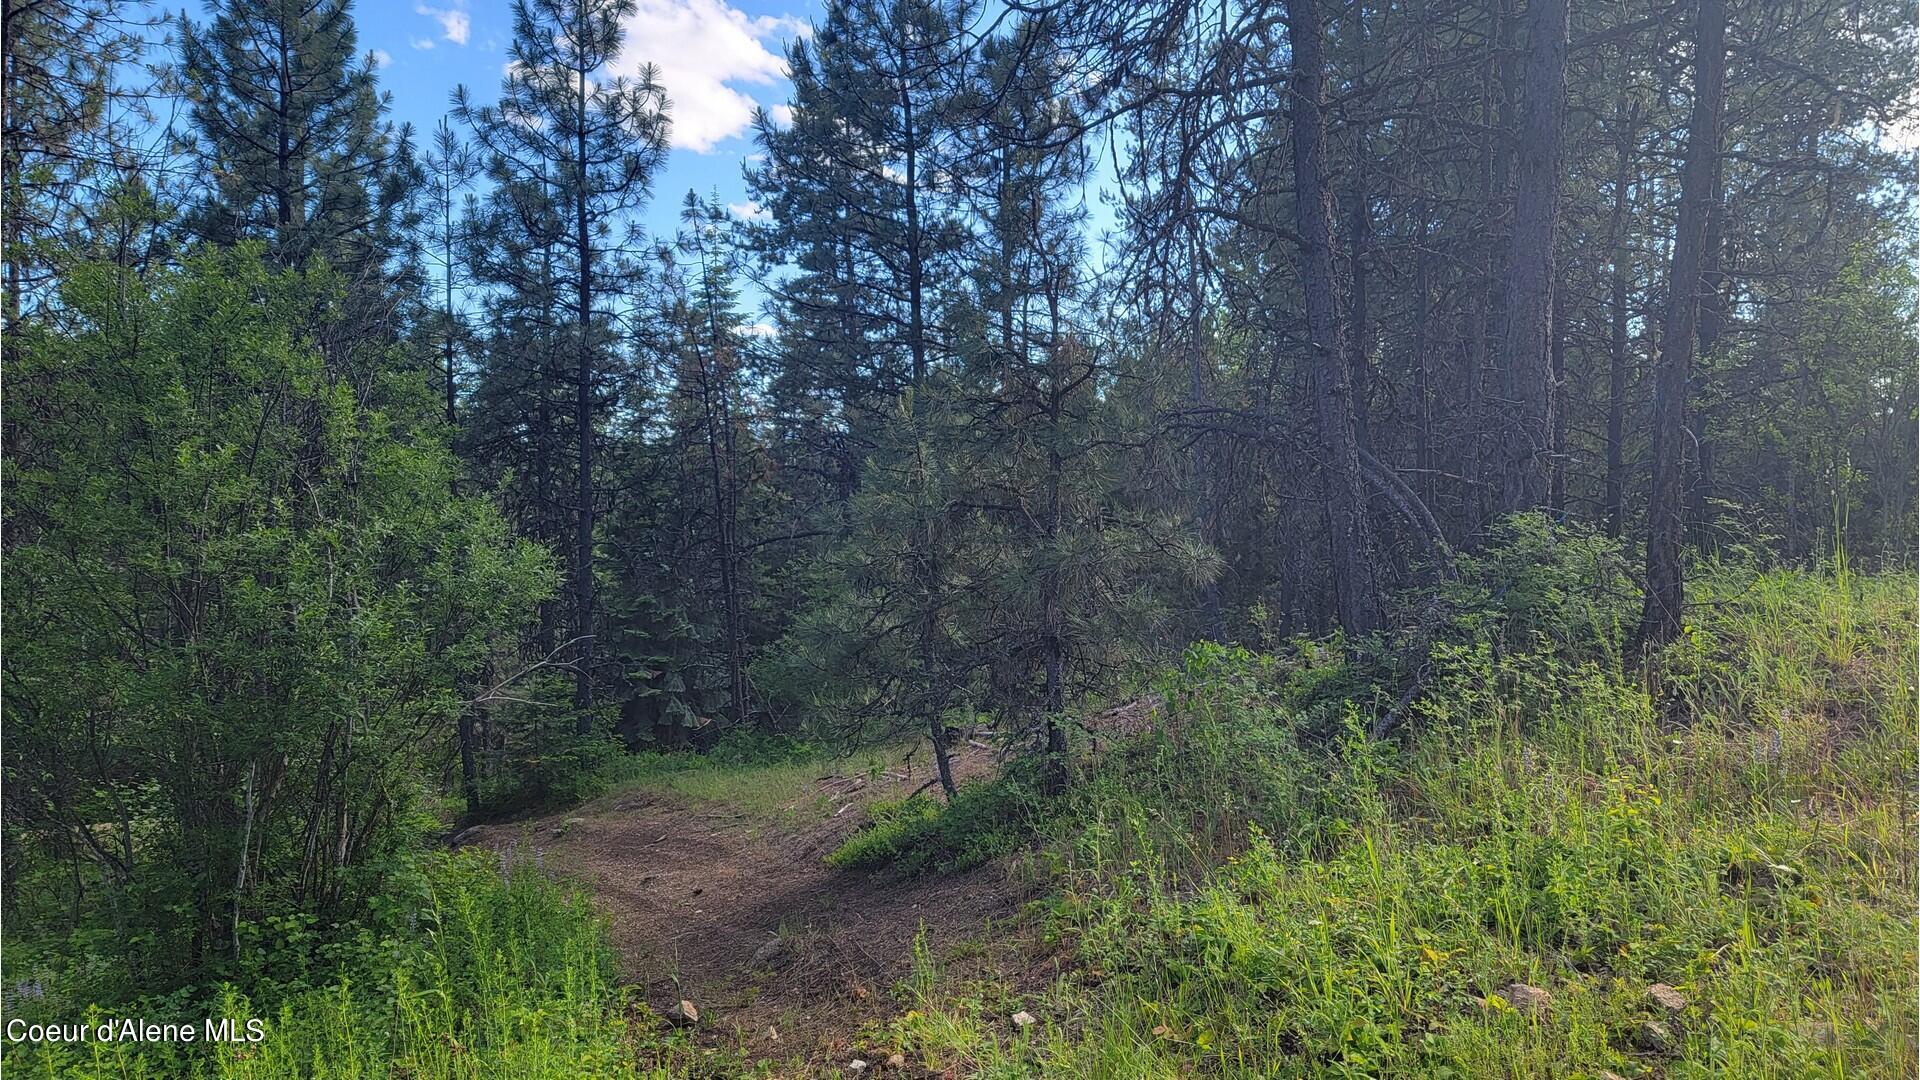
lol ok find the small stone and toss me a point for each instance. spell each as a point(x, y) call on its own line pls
point(773, 1034)
point(1023, 1019)
point(856, 1066)
point(1818, 1031)
point(684, 1014)
point(1667, 997)
point(770, 952)
point(1609, 1074)
point(1653, 1036)
point(896, 1061)
point(1526, 998)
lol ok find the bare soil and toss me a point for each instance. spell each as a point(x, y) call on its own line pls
point(784, 957)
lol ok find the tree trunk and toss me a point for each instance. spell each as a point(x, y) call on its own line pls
point(583, 423)
point(1053, 617)
point(929, 556)
point(1351, 534)
point(1527, 310)
point(1626, 122)
point(1660, 618)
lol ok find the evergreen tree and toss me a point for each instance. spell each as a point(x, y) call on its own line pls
point(859, 190)
point(63, 145)
point(686, 594)
point(450, 166)
point(293, 134)
point(575, 147)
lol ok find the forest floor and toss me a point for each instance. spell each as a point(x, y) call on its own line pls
point(721, 897)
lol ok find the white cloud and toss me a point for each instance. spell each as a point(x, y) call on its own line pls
point(760, 329)
point(782, 114)
point(703, 48)
point(421, 43)
point(747, 211)
point(454, 23)
point(382, 58)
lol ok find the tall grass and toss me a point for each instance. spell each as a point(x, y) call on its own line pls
point(1248, 901)
point(505, 973)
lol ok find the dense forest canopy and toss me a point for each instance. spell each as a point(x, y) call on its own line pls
point(351, 468)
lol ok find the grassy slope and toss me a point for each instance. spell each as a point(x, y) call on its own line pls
point(1245, 905)
point(1243, 900)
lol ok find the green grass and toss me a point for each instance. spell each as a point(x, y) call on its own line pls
point(1246, 901)
point(782, 783)
point(985, 820)
point(505, 973)
point(1255, 889)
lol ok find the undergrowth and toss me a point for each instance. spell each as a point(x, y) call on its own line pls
point(1257, 889)
point(498, 972)
point(763, 776)
point(983, 821)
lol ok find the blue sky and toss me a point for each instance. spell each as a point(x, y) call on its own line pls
point(716, 60)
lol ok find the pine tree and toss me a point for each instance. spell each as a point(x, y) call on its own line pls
point(684, 605)
point(450, 165)
point(293, 134)
point(62, 144)
point(858, 190)
point(582, 146)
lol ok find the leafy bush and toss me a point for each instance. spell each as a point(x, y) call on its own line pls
point(250, 602)
point(1537, 586)
point(762, 748)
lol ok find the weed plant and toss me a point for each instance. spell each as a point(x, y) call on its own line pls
point(1256, 889)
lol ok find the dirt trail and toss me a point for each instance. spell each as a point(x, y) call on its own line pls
point(739, 914)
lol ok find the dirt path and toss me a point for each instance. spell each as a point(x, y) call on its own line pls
point(739, 914)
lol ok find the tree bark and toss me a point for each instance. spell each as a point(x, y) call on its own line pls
point(1527, 308)
point(1350, 532)
point(1660, 618)
point(583, 418)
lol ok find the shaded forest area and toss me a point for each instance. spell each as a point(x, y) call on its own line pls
point(362, 480)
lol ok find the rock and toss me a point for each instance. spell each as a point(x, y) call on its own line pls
point(1752, 874)
point(1526, 998)
point(1817, 1031)
point(685, 1014)
point(1653, 1036)
point(1609, 1074)
point(1023, 1019)
point(896, 1061)
point(773, 1034)
point(1667, 997)
point(770, 952)
point(856, 1066)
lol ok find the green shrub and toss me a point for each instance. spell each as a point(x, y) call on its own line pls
point(984, 820)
